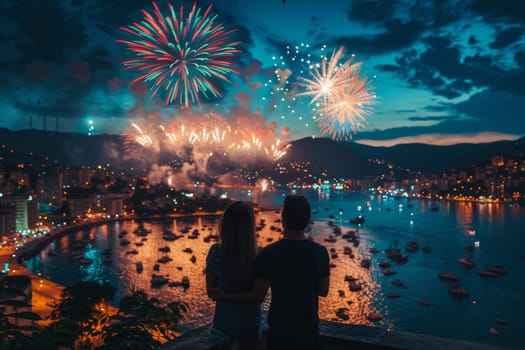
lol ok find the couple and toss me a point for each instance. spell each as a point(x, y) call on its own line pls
point(296, 269)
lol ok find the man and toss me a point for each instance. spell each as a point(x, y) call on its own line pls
point(298, 271)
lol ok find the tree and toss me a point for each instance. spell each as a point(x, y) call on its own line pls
point(142, 323)
point(14, 335)
point(80, 314)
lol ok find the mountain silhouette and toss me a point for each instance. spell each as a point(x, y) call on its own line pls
point(339, 159)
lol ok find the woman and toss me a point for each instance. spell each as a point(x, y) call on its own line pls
point(230, 267)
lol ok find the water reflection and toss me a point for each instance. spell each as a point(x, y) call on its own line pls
point(423, 305)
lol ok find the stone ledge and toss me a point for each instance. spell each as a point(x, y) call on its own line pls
point(338, 336)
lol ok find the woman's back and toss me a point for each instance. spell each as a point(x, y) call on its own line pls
point(233, 319)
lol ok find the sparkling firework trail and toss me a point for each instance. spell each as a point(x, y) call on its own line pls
point(180, 56)
point(210, 133)
point(325, 80)
point(343, 98)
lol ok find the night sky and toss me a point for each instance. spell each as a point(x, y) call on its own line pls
point(444, 71)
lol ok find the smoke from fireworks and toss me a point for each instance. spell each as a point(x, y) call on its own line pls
point(211, 134)
point(181, 55)
point(344, 98)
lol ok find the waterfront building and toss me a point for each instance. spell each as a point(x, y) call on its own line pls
point(7, 220)
point(26, 210)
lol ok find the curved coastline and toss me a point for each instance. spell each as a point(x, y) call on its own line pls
point(35, 246)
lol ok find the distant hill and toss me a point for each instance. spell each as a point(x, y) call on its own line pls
point(345, 159)
point(337, 158)
point(435, 159)
point(67, 148)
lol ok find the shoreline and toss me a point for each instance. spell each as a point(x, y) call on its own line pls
point(46, 292)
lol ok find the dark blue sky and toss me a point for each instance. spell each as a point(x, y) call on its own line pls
point(444, 71)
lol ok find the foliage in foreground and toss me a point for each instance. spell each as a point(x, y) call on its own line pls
point(80, 320)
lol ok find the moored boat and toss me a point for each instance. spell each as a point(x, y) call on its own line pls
point(467, 262)
point(447, 276)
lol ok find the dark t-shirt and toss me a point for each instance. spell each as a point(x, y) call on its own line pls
point(294, 269)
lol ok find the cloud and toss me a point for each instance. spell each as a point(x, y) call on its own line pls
point(439, 108)
point(432, 118)
point(507, 37)
point(519, 57)
point(443, 139)
point(495, 110)
point(397, 34)
point(497, 10)
point(441, 68)
point(50, 28)
point(405, 111)
point(372, 11)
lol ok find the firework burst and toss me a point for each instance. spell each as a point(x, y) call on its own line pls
point(342, 97)
point(179, 55)
point(207, 133)
point(325, 80)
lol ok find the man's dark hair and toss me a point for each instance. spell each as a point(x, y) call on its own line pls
point(296, 212)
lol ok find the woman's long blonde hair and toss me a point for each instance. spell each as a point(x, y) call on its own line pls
point(237, 233)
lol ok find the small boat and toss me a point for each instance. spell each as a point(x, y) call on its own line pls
point(393, 295)
point(500, 321)
point(358, 220)
point(164, 259)
point(365, 263)
point(158, 281)
point(398, 283)
point(487, 273)
point(85, 261)
point(355, 287)
point(169, 236)
point(342, 313)
point(139, 267)
point(447, 276)
point(384, 264)
point(500, 270)
point(412, 247)
point(467, 262)
point(347, 250)
point(424, 303)
point(374, 316)
point(388, 272)
point(458, 291)
point(494, 331)
point(184, 283)
point(426, 249)
point(349, 278)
